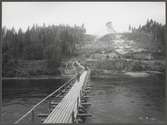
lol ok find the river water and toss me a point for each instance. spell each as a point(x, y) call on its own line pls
point(19, 96)
point(126, 99)
point(118, 99)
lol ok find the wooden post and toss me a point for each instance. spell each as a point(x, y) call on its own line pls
point(78, 77)
point(73, 118)
point(77, 103)
point(32, 116)
point(80, 93)
point(50, 106)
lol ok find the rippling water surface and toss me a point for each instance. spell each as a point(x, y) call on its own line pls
point(125, 99)
point(20, 95)
point(120, 99)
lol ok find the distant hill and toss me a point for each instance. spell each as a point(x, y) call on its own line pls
point(143, 40)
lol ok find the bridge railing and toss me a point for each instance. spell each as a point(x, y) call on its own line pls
point(57, 92)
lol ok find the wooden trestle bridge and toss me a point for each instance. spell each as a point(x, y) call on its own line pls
point(72, 104)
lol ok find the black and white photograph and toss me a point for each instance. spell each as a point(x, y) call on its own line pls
point(83, 62)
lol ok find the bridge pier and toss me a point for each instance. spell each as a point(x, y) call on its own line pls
point(32, 115)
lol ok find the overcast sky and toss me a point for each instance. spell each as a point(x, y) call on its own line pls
point(93, 14)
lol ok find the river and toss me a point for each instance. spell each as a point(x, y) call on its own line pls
point(126, 99)
point(20, 95)
point(118, 99)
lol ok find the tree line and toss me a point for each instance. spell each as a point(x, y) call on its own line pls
point(51, 43)
point(157, 30)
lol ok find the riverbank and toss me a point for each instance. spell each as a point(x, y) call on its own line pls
point(37, 78)
point(35, 69)
point(111, 73)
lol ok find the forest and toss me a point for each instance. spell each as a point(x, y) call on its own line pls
point(40, 50)
point(150, 31)
point(45, 44)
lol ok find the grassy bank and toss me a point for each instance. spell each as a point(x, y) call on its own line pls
point(31, 68)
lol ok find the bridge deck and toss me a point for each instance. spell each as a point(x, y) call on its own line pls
point(62, 113)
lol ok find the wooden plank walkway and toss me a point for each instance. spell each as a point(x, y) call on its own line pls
point(62, 113)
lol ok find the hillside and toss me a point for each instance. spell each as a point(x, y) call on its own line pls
point(27, 54)
point(124, 52)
